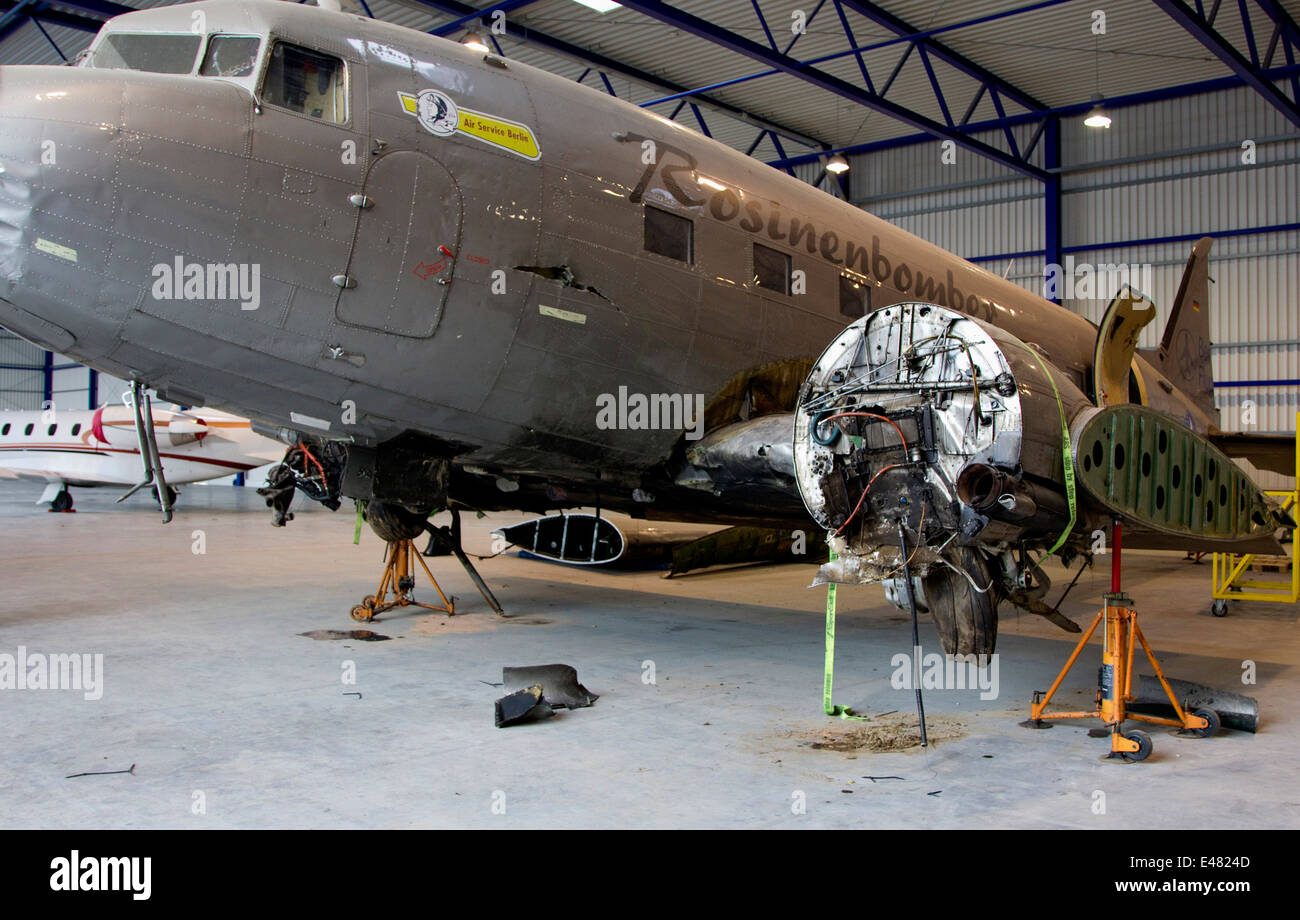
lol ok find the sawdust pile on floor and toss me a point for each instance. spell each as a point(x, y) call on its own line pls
point(894, 732)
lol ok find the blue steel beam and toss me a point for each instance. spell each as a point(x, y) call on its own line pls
point(13, 20)
point(483, 16)
point(46, 13)
point(102, 8)
point(1181, 91)
point(47, 380)
point(1200, 28)
point(937, 49)
point(694, 25)
point(1146, 241)
point(53, 44)
point(858, 50)
point(1285, 24)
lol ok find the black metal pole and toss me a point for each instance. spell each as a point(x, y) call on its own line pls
point(916, 635)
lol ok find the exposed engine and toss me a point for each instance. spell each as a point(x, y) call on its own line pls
point(313, 466)
point(913, 431)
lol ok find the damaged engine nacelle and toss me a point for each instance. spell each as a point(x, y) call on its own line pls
point(408, 473)
point(923, 419)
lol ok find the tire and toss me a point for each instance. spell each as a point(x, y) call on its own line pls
point(1210, 730)
point(392, 523)
point(1143, 741)
point(966, 620)
point(62, 501)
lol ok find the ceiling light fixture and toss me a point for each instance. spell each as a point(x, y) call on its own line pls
point(837, 164)
point(475, 41)
point(1097, 118)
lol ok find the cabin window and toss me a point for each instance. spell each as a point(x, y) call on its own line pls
point(855, 296)
point(771, 269)
point(230, 56)
point(669, 235)
point(152, 53)
point(5, 430)
point(306, 82)
point(28, 429)
point(50, 431)
point(76, 429)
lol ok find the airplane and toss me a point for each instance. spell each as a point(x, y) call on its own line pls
point(472, 284)
point(87, 448)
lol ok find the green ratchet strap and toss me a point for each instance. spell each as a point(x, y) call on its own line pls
point(844, 712)
point(361, 516)
point(1067, 457)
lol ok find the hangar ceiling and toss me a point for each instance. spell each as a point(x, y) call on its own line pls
point(792, 80)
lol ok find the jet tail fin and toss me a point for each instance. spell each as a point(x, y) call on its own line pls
point(1184, 352)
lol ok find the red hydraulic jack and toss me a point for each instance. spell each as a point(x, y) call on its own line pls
point(1115, 690)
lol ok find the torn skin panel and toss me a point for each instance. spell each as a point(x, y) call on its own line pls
point(564, 275)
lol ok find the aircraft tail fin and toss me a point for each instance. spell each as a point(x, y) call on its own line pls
point(1184, 352)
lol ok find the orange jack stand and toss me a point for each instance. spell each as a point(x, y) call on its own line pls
point(399, 578)
point(1121, 635)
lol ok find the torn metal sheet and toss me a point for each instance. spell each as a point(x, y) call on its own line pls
point(559, 683)
point(527, 705)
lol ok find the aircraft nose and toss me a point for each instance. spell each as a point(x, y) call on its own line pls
point(60, 144)
point(57, 148)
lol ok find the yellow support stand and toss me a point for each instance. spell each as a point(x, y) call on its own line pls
point(1120, 638)
point(1230, 581)
point(399, 578)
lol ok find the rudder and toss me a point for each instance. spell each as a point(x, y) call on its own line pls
point(1184, 352)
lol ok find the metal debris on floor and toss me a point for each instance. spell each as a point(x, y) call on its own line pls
point(559, 683)
point(526, 705)
point(536, 691)
point(130, 770)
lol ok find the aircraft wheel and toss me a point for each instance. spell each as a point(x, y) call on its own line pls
point(1144, 746)
point(1210, 730)
point(393, 523)
point(1219, 608)
point(363, 614)
point(62, 501)
point(967, 620)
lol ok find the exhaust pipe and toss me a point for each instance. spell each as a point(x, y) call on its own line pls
point(997, 494)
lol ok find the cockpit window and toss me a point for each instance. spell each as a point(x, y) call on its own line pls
point(230, 56)
point(153, 53)
point(307, 82)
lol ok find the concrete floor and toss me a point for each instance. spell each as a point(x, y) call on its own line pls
point(217, 700)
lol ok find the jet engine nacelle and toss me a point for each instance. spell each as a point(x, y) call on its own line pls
point(185, 429)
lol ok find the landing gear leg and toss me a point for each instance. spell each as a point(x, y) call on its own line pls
point(145, 436)
point(449, 537)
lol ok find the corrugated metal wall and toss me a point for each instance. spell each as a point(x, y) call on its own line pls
point(22, 379)
point(1121, 186)
point(19, 389)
